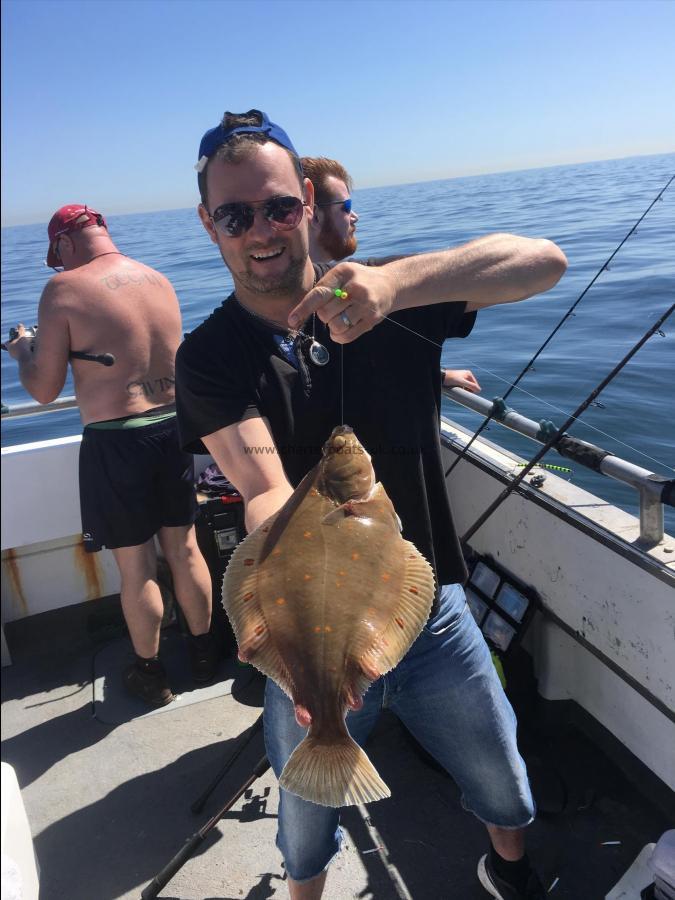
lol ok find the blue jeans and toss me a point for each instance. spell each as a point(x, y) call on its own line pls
point(448, 695)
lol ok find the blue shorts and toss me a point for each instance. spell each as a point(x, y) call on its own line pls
point(133, 481)
point(448, 695)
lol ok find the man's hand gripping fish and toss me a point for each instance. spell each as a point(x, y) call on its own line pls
point(324, 598)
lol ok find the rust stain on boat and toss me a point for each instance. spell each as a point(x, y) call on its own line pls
point(87, 563)
point(11, 564)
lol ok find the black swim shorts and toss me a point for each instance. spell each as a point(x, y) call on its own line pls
point(133, 481)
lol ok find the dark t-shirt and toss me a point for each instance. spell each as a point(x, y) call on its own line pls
point(232, 367)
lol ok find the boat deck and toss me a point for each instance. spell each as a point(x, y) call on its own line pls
point(110, 803)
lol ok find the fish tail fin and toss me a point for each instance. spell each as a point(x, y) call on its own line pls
point(332, 774)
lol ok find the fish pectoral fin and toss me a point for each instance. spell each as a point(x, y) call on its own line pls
point(407, 617)
point(375, 507)
point(276, 524)
point(342, 512)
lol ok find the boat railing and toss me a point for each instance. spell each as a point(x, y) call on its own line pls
point(654, 490)
point(33, 408)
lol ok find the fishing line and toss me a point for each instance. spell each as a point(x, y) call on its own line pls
point(564, 412)
point(342, 384)
point(567, 315)
point(534, 397)
point(563, 428)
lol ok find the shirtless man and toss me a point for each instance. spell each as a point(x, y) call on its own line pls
point(332, 233)
point(135, 482)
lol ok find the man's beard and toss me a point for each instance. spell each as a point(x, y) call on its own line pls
point(288, 282)
point(334, 244)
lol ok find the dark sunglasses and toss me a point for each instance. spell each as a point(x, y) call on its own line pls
point(346, 204)
point(234, 219)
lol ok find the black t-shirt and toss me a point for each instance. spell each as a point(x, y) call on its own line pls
point(232, 367)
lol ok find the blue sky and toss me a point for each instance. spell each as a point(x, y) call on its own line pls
point(104, 101)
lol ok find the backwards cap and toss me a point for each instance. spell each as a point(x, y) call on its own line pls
point(72, 217)
point(216, 137)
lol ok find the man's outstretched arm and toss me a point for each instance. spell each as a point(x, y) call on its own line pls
point(498, 268)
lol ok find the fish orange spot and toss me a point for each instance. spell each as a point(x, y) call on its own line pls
point(248, 596)
point(385, 642)
point(355, 555)
point(307, 577)
point(399, 621)
point(386, 576)
point(342, 573)
point(276, 552)
point(317, 629)
point(249, 562)
point(413, 590)
point(307, 534)
point(328, 629)
point(338, 584)
point(280, 601)
point(259, 630)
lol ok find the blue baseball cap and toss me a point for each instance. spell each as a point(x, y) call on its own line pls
point(216, 137)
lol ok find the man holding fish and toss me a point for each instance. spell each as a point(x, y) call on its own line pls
point(326, 595)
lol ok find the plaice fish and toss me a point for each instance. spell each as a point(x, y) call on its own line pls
point(325, 597)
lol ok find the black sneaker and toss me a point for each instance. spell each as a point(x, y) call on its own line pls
point(502, 890)
point(204, 657)
point(150, 686)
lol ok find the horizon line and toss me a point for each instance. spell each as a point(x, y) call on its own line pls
point(392, 184)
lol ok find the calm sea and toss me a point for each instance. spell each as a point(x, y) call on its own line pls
point(587, 209)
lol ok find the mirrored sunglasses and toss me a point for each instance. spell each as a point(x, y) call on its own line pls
point(234, 219)
point(346, 204)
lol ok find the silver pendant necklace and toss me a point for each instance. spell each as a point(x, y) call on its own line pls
point(318, 354)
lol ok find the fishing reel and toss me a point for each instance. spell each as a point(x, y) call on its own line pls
point(28, 332)
point(105, 359)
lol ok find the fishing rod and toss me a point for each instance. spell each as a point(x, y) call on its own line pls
point(190, 846)
point(570, 312)
point(105, 359)
point(199, 803)
point(563, 428)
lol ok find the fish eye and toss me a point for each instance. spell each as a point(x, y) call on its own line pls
point(339, 442)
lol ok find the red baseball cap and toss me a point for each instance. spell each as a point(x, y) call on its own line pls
point(72, 217)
